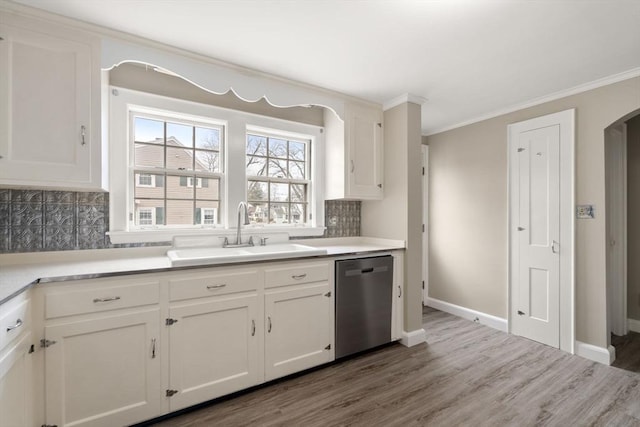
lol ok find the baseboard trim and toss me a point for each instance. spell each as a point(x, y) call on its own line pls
point(467, 313)
point(409, 339)
point(633, 325)
point(606, 356)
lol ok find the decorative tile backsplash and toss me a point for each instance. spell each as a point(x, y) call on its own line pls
point(39, 220)
point(342, 218)
point(36, 220)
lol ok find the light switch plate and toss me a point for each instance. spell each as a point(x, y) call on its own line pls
point(585, 212)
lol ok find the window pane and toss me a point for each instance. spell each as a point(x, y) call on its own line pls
point(208, 139)
point(297, 150)
point(256, 166)
point(208, 189)
point(256, 145)
point(179, 212)
point(147, 130)
point(296, 170)
point(179, 135)
point(279, 192)
point(207, 212)
point(257, 190)
point(146, 212)
point(278, 168)
point(180, 187)
point(279, 213)
point(149, 155)
point(179, 158)
point(258, 213)
point(298, 192)
point(148, 186)
point(298, 213)
point(277, 148)
point(208, 161)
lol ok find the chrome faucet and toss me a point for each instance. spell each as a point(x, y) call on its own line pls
point(242, 219)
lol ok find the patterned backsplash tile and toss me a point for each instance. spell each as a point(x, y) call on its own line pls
point(40, 220)
point(342, 218)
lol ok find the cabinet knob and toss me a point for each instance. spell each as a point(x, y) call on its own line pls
point(379, 185)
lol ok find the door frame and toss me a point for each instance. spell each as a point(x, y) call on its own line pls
point(616, 219)
point(425, 224)
point(566, 120)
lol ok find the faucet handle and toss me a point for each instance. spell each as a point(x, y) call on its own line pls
point(251, 241)
point(263, 241)
point(225, 241)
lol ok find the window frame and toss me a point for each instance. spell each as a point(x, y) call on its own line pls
point(288, 136)
point(233, 186)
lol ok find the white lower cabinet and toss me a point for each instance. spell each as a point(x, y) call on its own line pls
point(299, 329)
point(213, 349)
point(15, 384)
point(103, 370)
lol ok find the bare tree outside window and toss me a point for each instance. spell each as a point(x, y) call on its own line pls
point(277, 179)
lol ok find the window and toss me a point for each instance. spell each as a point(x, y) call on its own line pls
point(145, 216)
point(177, 165)
point(277, 179)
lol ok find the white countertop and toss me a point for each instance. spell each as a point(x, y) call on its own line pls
point(20, 271)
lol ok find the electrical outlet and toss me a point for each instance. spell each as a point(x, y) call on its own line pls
point(585, 212)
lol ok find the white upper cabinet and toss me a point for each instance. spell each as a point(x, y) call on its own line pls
point(49, 106)
point(354, 154)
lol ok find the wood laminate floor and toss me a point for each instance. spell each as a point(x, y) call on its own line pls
point(467, 375)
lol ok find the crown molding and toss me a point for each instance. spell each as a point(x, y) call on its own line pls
point(605, 81)
point(402, 99)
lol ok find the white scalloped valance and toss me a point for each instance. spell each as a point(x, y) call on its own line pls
point(219, 78)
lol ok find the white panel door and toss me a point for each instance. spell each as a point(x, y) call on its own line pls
point(536, 261)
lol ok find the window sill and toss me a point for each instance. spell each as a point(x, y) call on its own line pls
point(166, 235)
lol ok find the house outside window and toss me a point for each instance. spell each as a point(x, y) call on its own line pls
point(187, 158)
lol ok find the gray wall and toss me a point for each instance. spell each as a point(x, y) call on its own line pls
point(399, 214)
point(468, 207)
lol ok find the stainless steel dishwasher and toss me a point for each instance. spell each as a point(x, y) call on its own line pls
point(363, 303)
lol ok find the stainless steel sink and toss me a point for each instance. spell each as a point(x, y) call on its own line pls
point(217, 255)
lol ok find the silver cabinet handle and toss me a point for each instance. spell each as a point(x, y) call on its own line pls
point(269, 322)
point(97, 300)
point(299, 276)
point(210, 287)
point(400, 290)
point(16, 326)
point(554, 247)
point(83, 131)
point(153, 348)
point(253, 328)
point(353, 166)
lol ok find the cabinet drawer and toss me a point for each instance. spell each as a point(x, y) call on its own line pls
point(212, 284)
point(14, 318)
point(296, 274)
point(101, 298)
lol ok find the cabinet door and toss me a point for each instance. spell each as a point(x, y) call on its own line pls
point(104, 371)
point(299, 329)
point(15, 385)
point(213, 349)
point(46, 125)
point(363, 127)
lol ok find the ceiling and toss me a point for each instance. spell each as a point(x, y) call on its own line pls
point(471, 59)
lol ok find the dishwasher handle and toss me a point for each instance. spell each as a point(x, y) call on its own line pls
point(361, 271)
